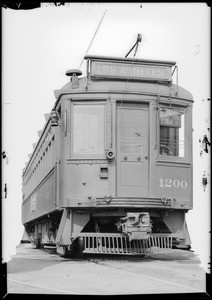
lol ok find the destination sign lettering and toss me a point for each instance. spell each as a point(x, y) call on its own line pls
point(172, 121)
point(134, 71)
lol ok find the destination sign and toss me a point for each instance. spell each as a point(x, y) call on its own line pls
point(172, 121)
point(131, 71)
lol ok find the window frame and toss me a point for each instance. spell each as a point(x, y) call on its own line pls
point(87, 155)
point(183, 109)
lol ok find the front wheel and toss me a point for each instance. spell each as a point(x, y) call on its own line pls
point(38, 244)
point(74, 251)
point(78, 247)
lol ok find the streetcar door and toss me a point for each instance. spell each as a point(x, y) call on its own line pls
point(132, 150)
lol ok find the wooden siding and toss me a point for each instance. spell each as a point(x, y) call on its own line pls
point(40, 176)
point(41, 165)
point(42, 200)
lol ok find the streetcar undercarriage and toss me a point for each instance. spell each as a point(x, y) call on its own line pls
point(110, 232)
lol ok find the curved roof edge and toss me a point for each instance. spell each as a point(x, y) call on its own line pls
point(146, 87)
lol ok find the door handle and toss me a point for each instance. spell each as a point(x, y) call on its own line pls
point(125, 157)
point(146, 156)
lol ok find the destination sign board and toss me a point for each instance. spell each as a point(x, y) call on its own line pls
point(172, 121)
point(130, 71)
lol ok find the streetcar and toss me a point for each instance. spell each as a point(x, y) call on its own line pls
point(111, 172)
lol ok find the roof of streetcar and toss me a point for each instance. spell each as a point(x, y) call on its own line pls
point(124, 59)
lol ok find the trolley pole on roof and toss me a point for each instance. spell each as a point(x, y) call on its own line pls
point(139, 38)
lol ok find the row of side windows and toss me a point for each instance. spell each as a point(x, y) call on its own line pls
point(40, 169)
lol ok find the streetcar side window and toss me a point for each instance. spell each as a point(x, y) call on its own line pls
point(172, 132)
point(88, 129)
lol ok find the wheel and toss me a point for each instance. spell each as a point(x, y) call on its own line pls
point(78, 247)
point(38, 244)
point(75, 251)
point(68, 253)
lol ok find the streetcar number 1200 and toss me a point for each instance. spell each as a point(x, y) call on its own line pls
point(173, 183)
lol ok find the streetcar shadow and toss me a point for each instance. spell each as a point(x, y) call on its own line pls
point(49, 252)
point(175, 255)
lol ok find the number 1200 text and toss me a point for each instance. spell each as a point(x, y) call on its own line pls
point(168, 183)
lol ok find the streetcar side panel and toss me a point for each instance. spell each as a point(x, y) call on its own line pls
point(40, 178)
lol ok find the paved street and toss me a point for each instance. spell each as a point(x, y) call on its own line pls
point(42, 271)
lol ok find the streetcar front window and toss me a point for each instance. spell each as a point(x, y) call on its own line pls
point(172, 132)
point(88, 129)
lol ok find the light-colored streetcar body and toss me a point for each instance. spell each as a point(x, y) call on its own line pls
point(112, 169)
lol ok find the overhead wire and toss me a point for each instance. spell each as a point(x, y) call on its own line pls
point(93, 37)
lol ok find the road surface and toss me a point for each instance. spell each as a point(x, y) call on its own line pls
point(42, 271)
